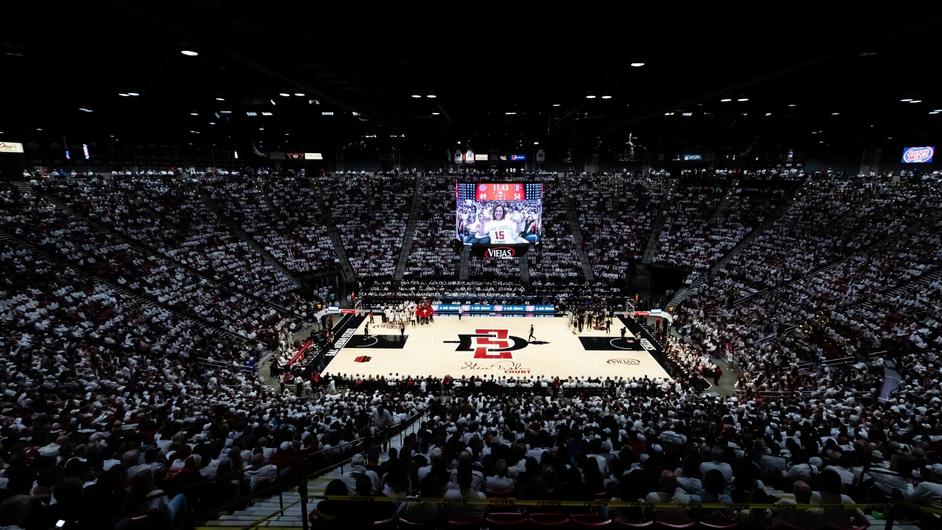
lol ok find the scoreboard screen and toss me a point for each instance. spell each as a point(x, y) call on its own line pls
point(499, 213)
point(501, 192)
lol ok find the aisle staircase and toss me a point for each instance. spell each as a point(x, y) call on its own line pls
point(284, 511)
point(241, 234)
point(145, 247)
point(134, 296)
point(873, 246)
point(721, 206)
point(334, 234)
point(408, 238)
point(682, 294)
point(464, 265)
point(577, 238)
point(658, 225)
point(910, 288)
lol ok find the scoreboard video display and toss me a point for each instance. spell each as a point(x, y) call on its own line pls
point(501, 192)
point(499, 213)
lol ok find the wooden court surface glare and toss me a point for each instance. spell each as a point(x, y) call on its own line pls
point(494, 346)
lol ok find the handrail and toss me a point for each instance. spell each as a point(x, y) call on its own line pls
point(220, 364)
point(279, 487)
point(240, 472)
point(512, 501)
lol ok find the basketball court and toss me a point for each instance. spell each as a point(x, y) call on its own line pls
point(496, 346)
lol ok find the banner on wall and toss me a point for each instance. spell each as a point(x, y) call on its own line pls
point(918, 155)
point(494, 308)
point(11, 147)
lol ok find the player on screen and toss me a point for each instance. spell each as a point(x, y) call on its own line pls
point(501, 229)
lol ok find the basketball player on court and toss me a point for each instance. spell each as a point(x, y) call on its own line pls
point(531, 337)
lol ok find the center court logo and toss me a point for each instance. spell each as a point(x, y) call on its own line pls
point(489, 343)
point(624, 360)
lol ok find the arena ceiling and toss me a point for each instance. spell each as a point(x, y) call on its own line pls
point(807, 75)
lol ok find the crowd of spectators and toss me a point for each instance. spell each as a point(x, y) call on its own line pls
point(281, 213)
point(650, 442)
point(117, 408)
point(72, 240)
point(615, 214)
point(133, 321)
point(850, 286)
point(498, 291)
point(556, 257)
point(434, 253)
point(168, 213)
point(371, 212)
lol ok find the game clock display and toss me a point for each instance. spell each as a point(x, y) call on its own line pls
point(498, 213)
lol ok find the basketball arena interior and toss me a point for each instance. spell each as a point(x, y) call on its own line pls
point(523, 265)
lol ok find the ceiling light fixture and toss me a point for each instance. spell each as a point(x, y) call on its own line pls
point(299, 94)
point(606, 96)
point(84, 109)
point(266, 113)
point(557, 105)
point(189, 53)
point(792, 104)
point(905, 100)
point(416, 96)
point(590, 96)
point(726, 100)
point(284, 94)
point(742, 99)
point(123, 94)
point(431, 96)
point(194, 114)
point(637, 65)
point(915, 101)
